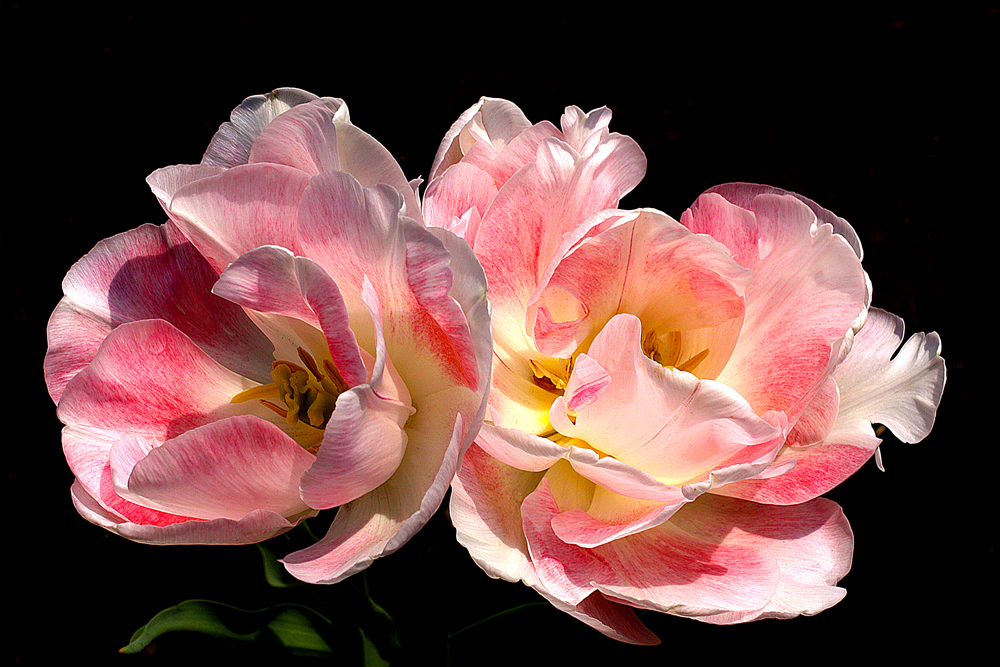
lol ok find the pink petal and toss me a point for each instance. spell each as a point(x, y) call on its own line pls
point(662, 568)
point(490, 119)
point(232, 143)
point(450, 197)
point(241, 209)
point(696, 425)
point(254, 527)
point(808, 293)
point(522, 231)
point(223, 470)
point(652, 267)
point(148, 273)
point(811, 543)
point(408, 267)
point(272, 280)
point(149, 378)
point(310, 138)
point(380, 522)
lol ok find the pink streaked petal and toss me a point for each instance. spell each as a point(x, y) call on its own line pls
point(519, 449)
point(88, 452)
point(742, 195)
point(494, 120)
point(363, 444)
point(902, 392)
point(485, 509)
point(254, 527)
point(272, 280)
point(611, 619)
point(150, 272)
point(811, 542)
point(661, 568)
point(524, 228)
point(697, 425)
point(233, 141)
point(817, 469)
point(223, 470)
point(819, 416)
point(450, 198)
point(649, 265)
point(581, 528)
point(808, 294)
point(167, 181)
point(380, 522)
point(149, 378)
point(516, 400)
point(502, 162)
point(241, 209)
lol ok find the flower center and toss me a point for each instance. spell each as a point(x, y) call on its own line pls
point(667, 350)
point(302, 395)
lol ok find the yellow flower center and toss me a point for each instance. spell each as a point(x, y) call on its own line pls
point(303, 396)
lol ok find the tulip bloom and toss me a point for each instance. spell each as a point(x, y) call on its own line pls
point(668, 398)
point(292, 339)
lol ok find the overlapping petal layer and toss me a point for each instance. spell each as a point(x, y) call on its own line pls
point(291, 340)
point(669, 398)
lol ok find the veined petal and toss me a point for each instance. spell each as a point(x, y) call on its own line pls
point(272, 280)
point(151, 272)
point(151, 379)
point(223, 470)
point(811, 543)
point(451, 197)
point(697, 424)
point(490, 119)
point(233, 141)
point(662, 568)
point(807, 297)
point(652, 267)
point(902, 392)
point(241, 209)
point(310, 138)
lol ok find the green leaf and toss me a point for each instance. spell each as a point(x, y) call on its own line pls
point(296, 629)
point(275, 574)
point(371, 654)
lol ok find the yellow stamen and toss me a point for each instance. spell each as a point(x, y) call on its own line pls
point(693, 361)
point(552, 380)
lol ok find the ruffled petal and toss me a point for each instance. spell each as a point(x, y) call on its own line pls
point(812, 544)
point(223, 470)
point(151, 379)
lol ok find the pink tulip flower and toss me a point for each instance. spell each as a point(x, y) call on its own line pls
point(292, 339)
point(669, 399)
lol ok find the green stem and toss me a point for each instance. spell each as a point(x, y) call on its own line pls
point(452, 635)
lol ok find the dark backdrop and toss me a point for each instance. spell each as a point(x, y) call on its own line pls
point(880, 116)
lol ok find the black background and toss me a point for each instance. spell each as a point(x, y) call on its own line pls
point(883, 116)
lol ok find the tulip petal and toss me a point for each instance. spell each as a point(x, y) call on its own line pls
point(492, 120)
point(254, 527)
point(233, 141)
point(901, 391)
point(811, 543)
point(662, 568)
point(147, 273)
point(223, 470)
point(651, 266)
point(461, 188)
point(310, 138)
point(808, 294)
point(241, 209)
point(698, 425)
point(151, 379)
point(272, 280)
point(409, 269)
point(379, 522)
